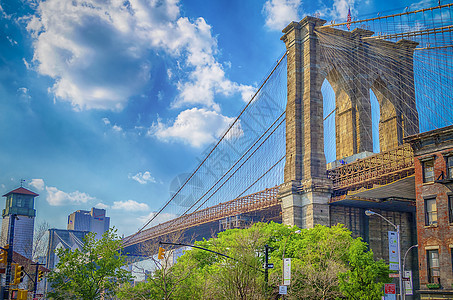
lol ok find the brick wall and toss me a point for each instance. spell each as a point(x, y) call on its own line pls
point(440, 235)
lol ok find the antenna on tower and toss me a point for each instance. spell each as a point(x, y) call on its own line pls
point(22, 182)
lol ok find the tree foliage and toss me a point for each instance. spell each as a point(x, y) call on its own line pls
point(327, 263)
point(94, 271)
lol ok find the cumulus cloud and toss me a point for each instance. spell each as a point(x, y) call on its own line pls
point(279, 13)
point(130, 205)
point(37, 183)
point(55, 197)
point(143, 178)
point(98, 52)
point(196, 127)
point(341, 8)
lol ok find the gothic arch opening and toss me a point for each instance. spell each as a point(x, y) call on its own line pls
point(329, 105)
point(389, 123)
point(375, 117)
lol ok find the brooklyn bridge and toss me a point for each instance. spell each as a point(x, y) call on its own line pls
point(323, 138)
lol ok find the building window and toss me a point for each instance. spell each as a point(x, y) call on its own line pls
point(450, 208)
point(430, 212)
point(428, 171)
point(19, 201)
point(433, 266)
point(449, 161)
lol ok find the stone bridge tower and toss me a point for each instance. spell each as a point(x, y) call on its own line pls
point(306, 190)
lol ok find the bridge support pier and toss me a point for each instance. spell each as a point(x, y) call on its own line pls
point(306, 192)
point(306, 206)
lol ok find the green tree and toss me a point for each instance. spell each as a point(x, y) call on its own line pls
point(241, 277)
point(365, 279)
point(327, 263)
point(140, 291)
point(165, 279)
point(94, 271)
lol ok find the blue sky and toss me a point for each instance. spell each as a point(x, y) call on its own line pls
point(103, 103)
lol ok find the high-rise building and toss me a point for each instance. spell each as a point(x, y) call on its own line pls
point(93, 221)
point(19, 202)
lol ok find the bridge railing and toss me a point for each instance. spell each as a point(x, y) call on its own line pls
point(249, 203)
point(379, 168)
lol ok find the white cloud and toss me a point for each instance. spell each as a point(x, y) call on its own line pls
point(117, 128)
point(4, 14)
point(27, 65)
point(102, 205)
point(12, 42)
point(143, 178)
point(55, 197)
point(162, 217)
point(98, 52)
point(341, 8)
point(106, 121)
point(196, 127)
point(37, 184)
point(206, 81)
point(23, 94)
point(130, 205)
point(279, 13)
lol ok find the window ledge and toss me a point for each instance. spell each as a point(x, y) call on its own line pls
point(429, 183)
point(432, 226)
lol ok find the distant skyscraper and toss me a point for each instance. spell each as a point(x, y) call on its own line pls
point(19, 202)
point(93, 221)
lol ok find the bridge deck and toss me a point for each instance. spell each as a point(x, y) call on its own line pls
point(381, 168)
point(249, 203)
point(378, 169)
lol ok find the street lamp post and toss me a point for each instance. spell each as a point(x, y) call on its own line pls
point(398, 241)
point(404, 264)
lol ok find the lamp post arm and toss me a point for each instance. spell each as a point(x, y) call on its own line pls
point(404, 266)
point(388, 221)
point(405, 254)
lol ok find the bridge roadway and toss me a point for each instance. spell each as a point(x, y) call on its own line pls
point(361, 183)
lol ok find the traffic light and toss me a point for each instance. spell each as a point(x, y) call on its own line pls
point(161, 253)
point(4, 255)
point(18, 274)
point(40, 275)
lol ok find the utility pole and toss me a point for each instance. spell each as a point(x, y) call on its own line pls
point(36, 278)
point(9, 258)
point(370, 213)
point(266, 264)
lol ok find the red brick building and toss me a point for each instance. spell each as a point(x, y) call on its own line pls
point(433, 159)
